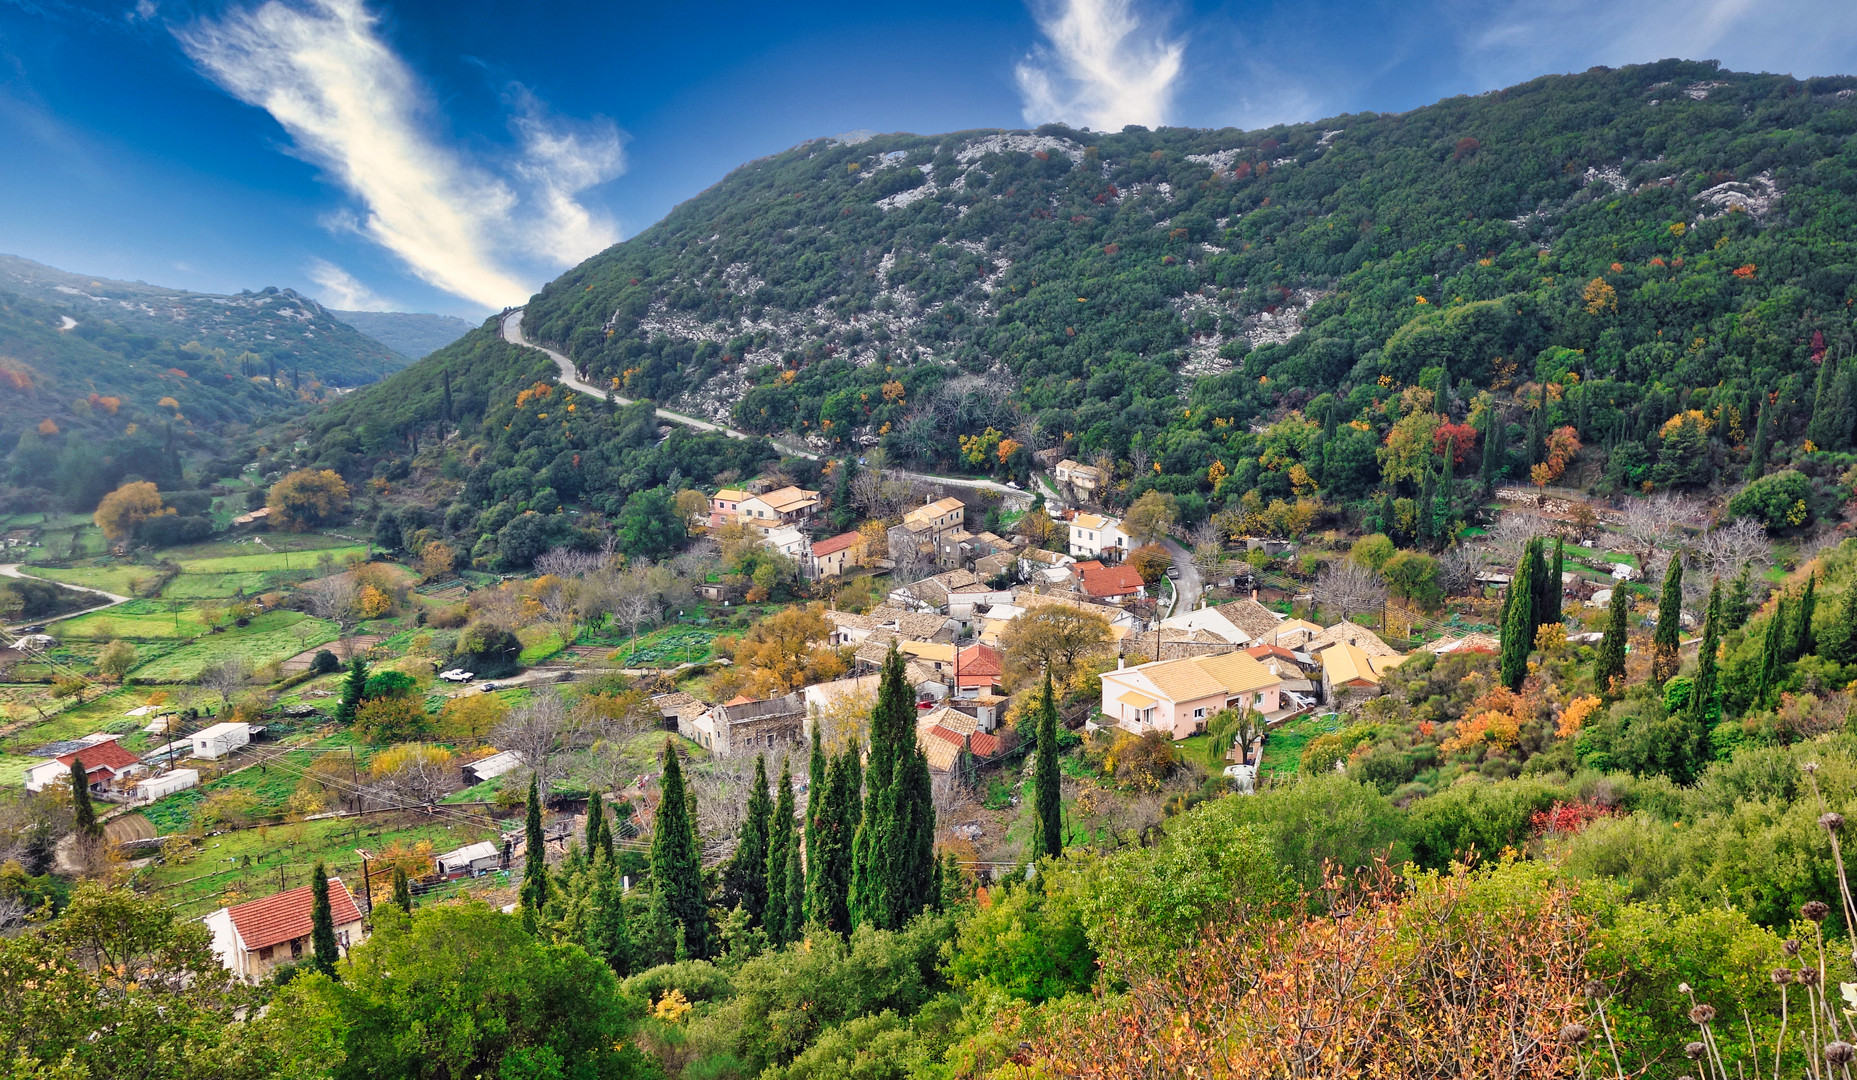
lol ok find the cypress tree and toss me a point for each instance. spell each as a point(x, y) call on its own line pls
point(596, 817)
point(402, 890)
point(1047, 799)
point(774, 864)
point(745, 878)
point(829, 845)
point(1492, 449)
point(83, 814)
point(1739, 603)
point(1842, 646)
point(352, 688)
point(1428, 496)
point(1537, 435)
point(1440, 507)
point(678, 903)
point(1817, 429)
point(1518, 623)
point(816, 770)
point(1767, 674)
point(1556, 589)
point(1389, 515)
point(1664, 641)
point(608, 936)
point(1542, 586)
point(1609, 668)
point(534, 892)
point(447, 404)
point(1803, 643)
point(908, 855)
point(892, 730)
point(322, 923)
point(1702, 693)
point(1757, 456)
point(796, 893)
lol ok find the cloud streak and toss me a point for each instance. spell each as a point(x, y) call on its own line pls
point(356, 110)
point(1098, 66)
point(340, 290)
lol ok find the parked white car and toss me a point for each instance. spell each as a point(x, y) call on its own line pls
point(457, 675)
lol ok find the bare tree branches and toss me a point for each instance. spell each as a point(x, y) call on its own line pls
point(566, 562)
point(1345, 587)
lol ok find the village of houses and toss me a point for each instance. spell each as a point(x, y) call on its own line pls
point(950, 596)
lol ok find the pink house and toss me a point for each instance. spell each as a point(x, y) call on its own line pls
point(1180, 696)
point(724, 506)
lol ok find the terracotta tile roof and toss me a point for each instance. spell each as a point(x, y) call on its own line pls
point(984, 744)
point(1193, 677)
point(1094, 521)
point(285, 916)
point(1256, 620)
point(790, 498)
point(834, 545)
point(733, 495)
point(1087, 564)
point(104, 755)
point(940, 746)
point(978, 660)
point(1112, 581)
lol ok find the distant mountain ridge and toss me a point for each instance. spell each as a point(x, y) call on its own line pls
point(414, 335)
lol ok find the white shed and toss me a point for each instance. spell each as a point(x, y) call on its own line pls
point(211, 744)
point(493, 766)
point(475, 858)
point(168, 783)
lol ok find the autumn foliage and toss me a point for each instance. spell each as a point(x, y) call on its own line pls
point(1431, 978)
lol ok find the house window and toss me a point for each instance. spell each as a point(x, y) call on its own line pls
point(296, 948)
point(264, 953)
point(1259, 699)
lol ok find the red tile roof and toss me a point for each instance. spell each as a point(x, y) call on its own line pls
point(285, 916)
point(1077, 569)
point(1278, 651)
point(834, 545)
point(983, 744)
point(978, 660)
point(104, 755)
point(1112, 581)
point(945, 735)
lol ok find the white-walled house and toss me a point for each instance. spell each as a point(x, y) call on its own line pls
point(256, 936)
point(1180, 696)
point(1093, 536)
point(213, 743)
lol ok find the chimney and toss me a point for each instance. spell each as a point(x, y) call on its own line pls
point(1254, 594)
point(1120, 663)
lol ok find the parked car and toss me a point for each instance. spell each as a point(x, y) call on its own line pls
point(488, 687)
point(457, 675)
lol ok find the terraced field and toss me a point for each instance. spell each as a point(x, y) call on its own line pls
point(271, 637)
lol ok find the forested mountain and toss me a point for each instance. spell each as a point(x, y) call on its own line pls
point(100, 373)
point(409, 333)
point(1606, 272)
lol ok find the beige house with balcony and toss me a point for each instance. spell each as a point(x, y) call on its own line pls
point(783, 506)
point(1180, 696)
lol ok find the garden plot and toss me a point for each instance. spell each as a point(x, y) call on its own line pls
point(134, 621)
point(266, 561)
point(215, 586)
point(271, 638)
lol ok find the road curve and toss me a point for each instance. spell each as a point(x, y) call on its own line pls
point(12, 570)
point(570, 377)
point(1187, 588)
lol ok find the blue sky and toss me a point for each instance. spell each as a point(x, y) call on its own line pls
point(453, 157)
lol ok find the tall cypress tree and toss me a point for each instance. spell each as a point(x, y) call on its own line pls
point(1803, 642)
point(1428, 495)
point(1543, 586)
point(1757, 455)
point(816, 770)
point(1842, 645)
point(1047, 796)
point(907, 851)
point(1767, 672)
point(678, 903)
point(774, 865)
point(83, 814)
point(322, 923)
point(892, 731)
point(402, 890)
point(1739, 603)
point(1537, 435)
point(1664, 642)
point(1609, 668)
point(1702, 693)
point(1818, 428)
point(796, 892)
point(352, 688)
point(534, 892)
point(596, 817)
point(1492, 449)
point(1518, 622)
point(1440, 508)
point(1556, 588)
point(828, 844)
point(745, 878)
point(608, 936)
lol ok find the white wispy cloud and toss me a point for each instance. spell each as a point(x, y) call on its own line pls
point(1798, 37)
point(354, 108)
point(1098, 66)
point(340, 289)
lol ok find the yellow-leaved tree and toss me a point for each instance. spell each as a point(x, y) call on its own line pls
point(126, 507)
point(304, 499)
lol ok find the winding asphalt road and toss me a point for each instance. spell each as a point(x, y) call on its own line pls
point(570, 377)
point(1188, 588)
point(12, 570)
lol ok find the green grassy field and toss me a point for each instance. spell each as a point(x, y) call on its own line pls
point(13, 769)
point(246, 864)
point(270, 560)
point(116, 579)
point(215, 586)
point(272, 636)
point(144, 626)
point(95, 715)
point(1283, 749)
point(667, 646)
point(270, 786)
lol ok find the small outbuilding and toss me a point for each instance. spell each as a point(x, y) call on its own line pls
point(478, 858)
point(213, 743)
point(147, 791)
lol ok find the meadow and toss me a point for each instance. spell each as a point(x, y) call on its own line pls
point(272, 637)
